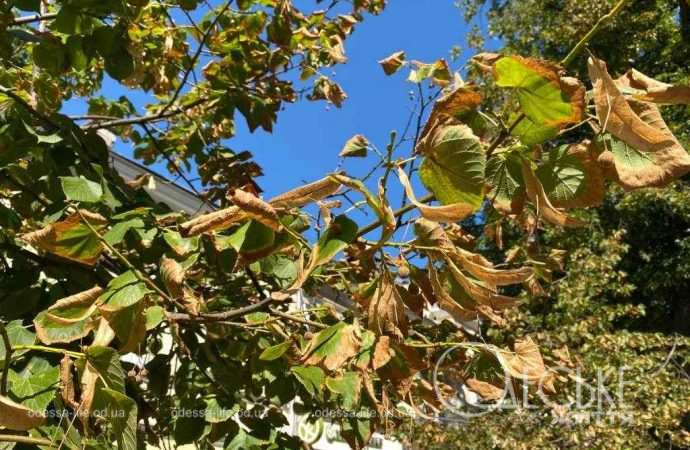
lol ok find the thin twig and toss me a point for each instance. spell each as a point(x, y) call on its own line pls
point(30, 19)
point(26, 440)
point(218, 317)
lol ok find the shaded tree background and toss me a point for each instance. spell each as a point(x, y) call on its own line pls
point(625, 301)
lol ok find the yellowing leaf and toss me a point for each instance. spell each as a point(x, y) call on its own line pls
point(545, 97)
point(393, 63)
point(256, 208)
point(14, 416)
point(651, 155)
point(535, 192)
point(387, 309)
point(438, 72)
point(356, 146)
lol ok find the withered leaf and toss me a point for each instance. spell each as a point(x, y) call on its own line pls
point(255, 208)
point(387, 309)
point(393, 63)
point(18, 417)
point(306, 194)
point(445, 213)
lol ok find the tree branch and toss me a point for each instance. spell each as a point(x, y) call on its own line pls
point(218, 317)
point(30, 19)
point(26, 440)
point(8, 358)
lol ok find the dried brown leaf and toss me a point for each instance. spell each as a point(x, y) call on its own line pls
point(255, 208)
point(18, 417)
point(387, 309)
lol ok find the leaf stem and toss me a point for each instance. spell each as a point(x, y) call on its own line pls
point(587, 37)
point(41, 348)
point(26, 440)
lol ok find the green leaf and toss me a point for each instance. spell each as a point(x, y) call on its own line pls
point(544, 98)
point(154, 316)
point(275, 351)
point(18, 335)
point(43, 138)
point(70, 239)
point(122, 415)
point(123, 291)
point(531, 133)
point(562, 175)
point(106, 362)
point(453, 169)
point(312, 378)
point(35, 386)
point(504, 175)
point(116, 233)
point(340, 233)
point(51, 55)
point(81, 190)
point(181, 245)
point(348, 387)
point(50, 331)
point(252, 237)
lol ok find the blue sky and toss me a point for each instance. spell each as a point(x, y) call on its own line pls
point(308, 136)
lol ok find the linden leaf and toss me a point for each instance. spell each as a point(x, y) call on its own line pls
point(333, 346)
point(387, 309)
point(545, 97)
point(255, 208)
point(306, 194)
point(348, 387)
point(356, 146)
point(75, 308)
point(525, 363)
point(18, 417)
point(453, 167)
point(70, 239)
point(81, 190)
point(393, 63)
point(655, 91)
point(659, 159)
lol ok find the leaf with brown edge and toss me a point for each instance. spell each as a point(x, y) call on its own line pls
point(173, 274)
point(255, 208)
point(75, 308)
point(333, 346)
point(535, 192)
point(525, 362)
point(572, 176)
point(382, 352)
point(444, 213)
point(484, 389)
point(392, 63)
point(447, 303)
point(387, 309)
point(70, 238)
point(648, 154)
point(14, 416)
point(303, 195)
point(461, 99)
point(438, 72)
point(545, 97)
point(356, 146)
point(653, 90)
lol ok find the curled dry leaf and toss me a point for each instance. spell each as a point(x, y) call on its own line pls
point(393, 63)
point(255, 208)
point(382, 352)
point(306, 194)
point(217, 220)
point(653, 90)
point(485, 61)
point(446, 302)
point(535, 192)
point(525, 363)
point(479, 293)
point(387, 309)
point(483, 269)
point(486, 390)
point(18, 417)
point(649, 154)
point(75, 308)
point(461, 99)
point(445, 213)
point(172, 274)
point(333, 347)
